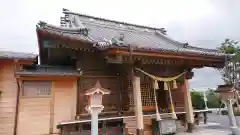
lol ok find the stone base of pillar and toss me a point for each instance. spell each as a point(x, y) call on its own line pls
point(140, 132)
point(190, 127)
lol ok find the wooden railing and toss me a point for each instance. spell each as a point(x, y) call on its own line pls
point(106, 131)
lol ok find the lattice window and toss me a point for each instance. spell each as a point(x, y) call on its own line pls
point(147, 94)
point(130, 88)
point(36, 88)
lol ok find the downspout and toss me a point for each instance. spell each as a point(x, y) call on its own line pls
point(17, 109)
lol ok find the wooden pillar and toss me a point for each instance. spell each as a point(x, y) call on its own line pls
point(188, 106)
point(74, 100)
point(138, 105)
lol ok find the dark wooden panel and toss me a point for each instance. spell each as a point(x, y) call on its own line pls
point(178, 99)
point(162, 97)
point(88, 60)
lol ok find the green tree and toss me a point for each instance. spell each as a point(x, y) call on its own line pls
point(197, 100)
point(214, 100)
point(229, 71)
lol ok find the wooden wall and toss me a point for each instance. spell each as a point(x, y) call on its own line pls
point(34, 116)
point(8, 88)
point(65, 100)
point(96, 69)
point(42, 115)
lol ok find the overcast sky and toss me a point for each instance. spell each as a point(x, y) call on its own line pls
point(203, 23)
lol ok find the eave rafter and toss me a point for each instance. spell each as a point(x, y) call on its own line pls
point(176, 56)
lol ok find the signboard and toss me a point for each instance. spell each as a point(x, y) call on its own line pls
point(49, 44)
point(168, 126)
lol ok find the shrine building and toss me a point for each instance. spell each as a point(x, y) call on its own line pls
point(145, 71)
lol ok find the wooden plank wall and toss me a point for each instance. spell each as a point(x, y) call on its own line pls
point(34, 113)
point(34, 116)
point(42, 115)
point(64, 102)
point(8, 87)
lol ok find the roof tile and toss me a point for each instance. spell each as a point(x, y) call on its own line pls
point(102, 31)
point(17, 55)
point(49, 70)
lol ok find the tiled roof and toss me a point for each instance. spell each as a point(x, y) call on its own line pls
point(17, 55)
point(49, 70)
point(101, 32)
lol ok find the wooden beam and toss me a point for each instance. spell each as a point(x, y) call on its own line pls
point(44, 77)
point(168, 55)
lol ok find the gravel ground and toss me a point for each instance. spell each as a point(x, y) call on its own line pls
point(217, 125)
point(221, 119)
point(204, 131)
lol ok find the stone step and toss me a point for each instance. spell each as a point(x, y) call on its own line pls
point(131, 124)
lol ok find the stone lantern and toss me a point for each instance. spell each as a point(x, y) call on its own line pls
point(95, 106)
point(226, 94)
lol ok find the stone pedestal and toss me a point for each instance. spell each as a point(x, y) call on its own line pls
point(94, 119)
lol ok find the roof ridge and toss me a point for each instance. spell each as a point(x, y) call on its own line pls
point(118, 28)
point(65, 11)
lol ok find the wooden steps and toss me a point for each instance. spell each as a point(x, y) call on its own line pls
point(130, 124)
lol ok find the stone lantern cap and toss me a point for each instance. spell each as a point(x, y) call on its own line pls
point(225, 91)
point(226, 88)
point(97, 89)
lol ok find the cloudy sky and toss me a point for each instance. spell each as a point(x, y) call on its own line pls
point(203, 23)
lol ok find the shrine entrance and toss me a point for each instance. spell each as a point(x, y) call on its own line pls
point(147, 95)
